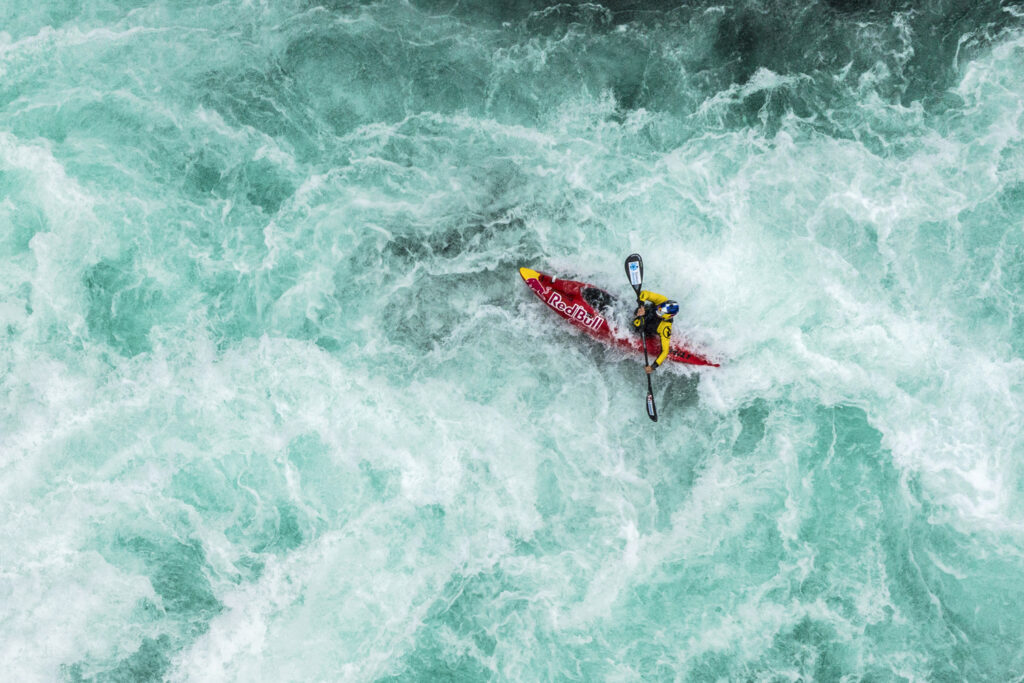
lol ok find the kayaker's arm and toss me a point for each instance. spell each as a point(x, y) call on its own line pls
point(653, 297)
point(665, 333)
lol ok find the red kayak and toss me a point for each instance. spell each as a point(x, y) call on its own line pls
point(589, 308)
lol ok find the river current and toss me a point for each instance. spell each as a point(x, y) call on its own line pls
point(277, 405)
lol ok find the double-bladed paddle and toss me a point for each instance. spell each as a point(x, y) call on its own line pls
point(635, 273)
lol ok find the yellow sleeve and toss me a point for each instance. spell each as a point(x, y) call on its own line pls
point(653, 297)
point(665, 332)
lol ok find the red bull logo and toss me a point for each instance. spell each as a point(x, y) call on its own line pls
point(574, 312)
point(536, 286)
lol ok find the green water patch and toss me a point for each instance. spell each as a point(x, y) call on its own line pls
point(261, 182)
point(970, 598)
point(371, 60)
point(814, 647)
point(23, 218)
point(882, 569)
point(453, 643)
point(988, 281)
point(453, 282)
point(338, 488)
point(264, 185)
point(178, 573)
point(508, 232)
point(261, 95)
point(752, 420)
point(223, 491)
point(123, 303)
point(246, 500)
point(875, 584)
point(550, 499)
point(206, 487)
point(202, 175)
point(149, 663)
point(946, 34)
point(235, 312)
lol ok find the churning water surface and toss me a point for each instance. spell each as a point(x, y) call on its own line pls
point(277, 405)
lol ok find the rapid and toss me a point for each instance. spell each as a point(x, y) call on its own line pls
point(277, 405)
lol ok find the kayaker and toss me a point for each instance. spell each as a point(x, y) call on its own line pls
point(654, 317)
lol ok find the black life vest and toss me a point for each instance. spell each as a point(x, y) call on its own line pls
point(651, 320)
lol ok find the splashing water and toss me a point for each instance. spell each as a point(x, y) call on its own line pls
point(279, 407)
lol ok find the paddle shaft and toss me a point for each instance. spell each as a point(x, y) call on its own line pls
point(643, 337)
point(635, 273)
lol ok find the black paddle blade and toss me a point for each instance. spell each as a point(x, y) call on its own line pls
point(652, 410)
point(635, 271)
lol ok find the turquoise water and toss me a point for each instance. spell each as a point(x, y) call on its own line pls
point(279, 407)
